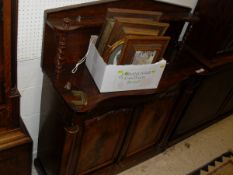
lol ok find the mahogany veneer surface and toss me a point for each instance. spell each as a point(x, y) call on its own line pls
point(117, 130)
point(15, 142)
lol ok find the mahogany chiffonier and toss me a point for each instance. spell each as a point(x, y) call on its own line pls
point(15, 142)
point(83, 131)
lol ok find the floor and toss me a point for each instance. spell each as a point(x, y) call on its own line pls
point(189, 154)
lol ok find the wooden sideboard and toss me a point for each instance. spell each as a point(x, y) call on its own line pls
point(15, 142)
point(114, 131)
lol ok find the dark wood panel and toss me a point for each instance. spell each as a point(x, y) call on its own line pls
point(8, 70)
point(214, 28)
point(212, 36)
point(1, 90)
point(15, 142)
point(1, 56)
point(151, 121)
point(101, 140)
point(206, 101)
point(52, 130)
point(3, 120)
point(228, 105)
point(16, 161)
point(7, 43)
point(15, 152)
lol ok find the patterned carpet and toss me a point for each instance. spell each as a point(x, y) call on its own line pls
point(223, 165)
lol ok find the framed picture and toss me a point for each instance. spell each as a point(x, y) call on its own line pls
point(128, 26)
point(116, 19)
point(112, 55)
point(131, 13)
point(142, 50)
point(161, 27)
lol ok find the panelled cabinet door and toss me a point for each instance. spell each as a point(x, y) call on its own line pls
point(101, 140)
point(206, 101)
point(150, 123)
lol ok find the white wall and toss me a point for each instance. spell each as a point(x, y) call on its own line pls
point(29, 55)
point(188, 3)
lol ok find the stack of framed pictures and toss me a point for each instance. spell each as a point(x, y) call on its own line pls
point(132, 37)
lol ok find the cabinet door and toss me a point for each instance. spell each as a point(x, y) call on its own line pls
point(205, 103)
point(101, 140)
point(150, 123)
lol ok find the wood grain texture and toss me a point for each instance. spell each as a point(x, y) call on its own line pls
point(15, 142)
point(151, 122)
point(214, 93)
point(8, 59)
point(211, 38)
point(98, 150)
point(1, 59)
point(105, 121)
point(115, 131)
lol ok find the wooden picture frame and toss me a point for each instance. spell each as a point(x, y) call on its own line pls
point(120, 31)
point(117, 17)
point(132, 13)
point(137, 24)
point(112, 55)
point(142, 50)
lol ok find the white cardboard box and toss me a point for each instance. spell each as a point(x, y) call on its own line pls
point(113, 78)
